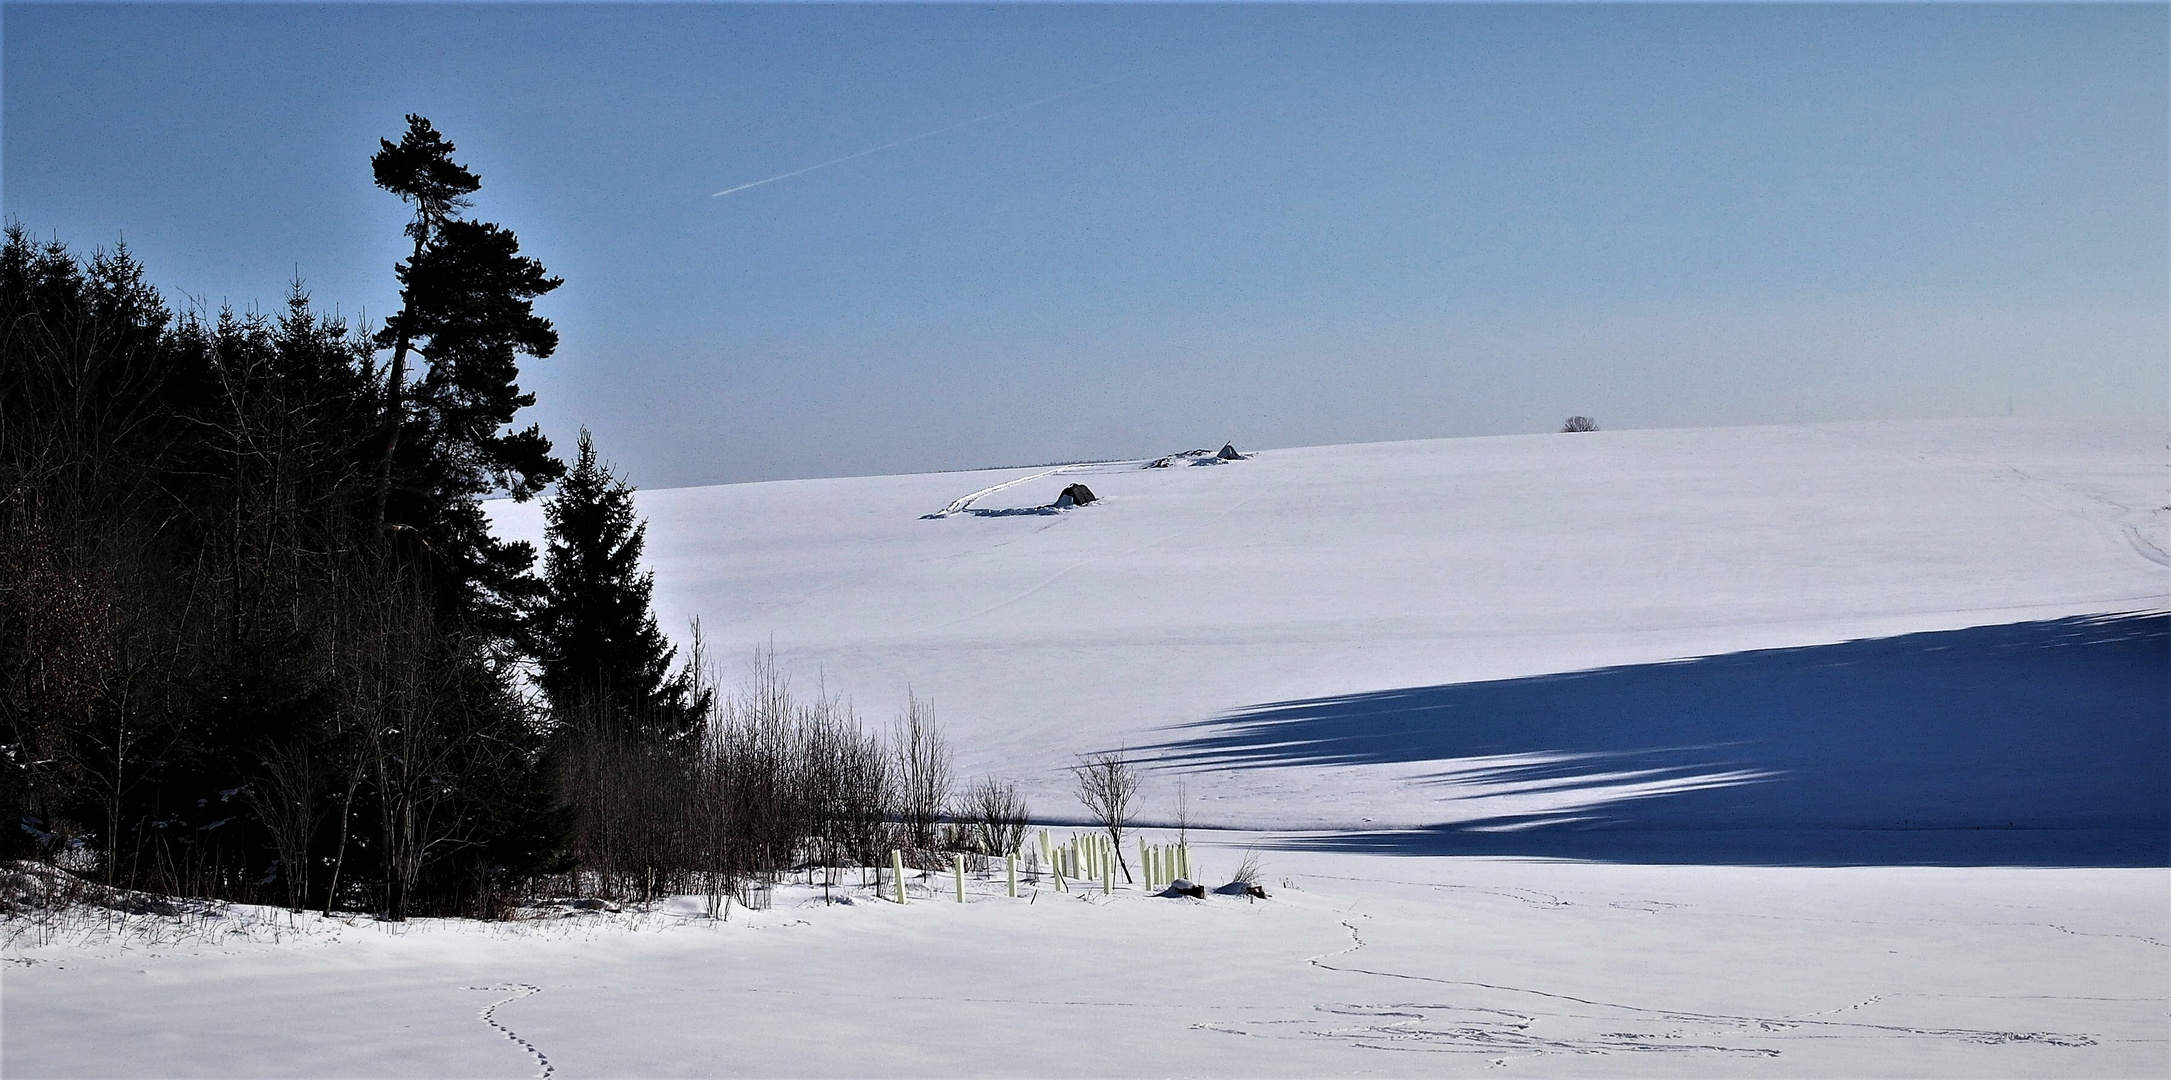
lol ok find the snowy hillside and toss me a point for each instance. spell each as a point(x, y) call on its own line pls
point(1356, 637)
point(1760, 752)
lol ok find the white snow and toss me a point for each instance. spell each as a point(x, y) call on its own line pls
point(1355, 964)
point(1189, 594)
point(1906, 816)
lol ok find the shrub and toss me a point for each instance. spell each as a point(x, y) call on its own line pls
point(997, 815)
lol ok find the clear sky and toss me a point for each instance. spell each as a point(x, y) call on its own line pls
point(1280, 225)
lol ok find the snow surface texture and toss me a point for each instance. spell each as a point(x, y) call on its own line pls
point(1805, 751)
point(1355, 964)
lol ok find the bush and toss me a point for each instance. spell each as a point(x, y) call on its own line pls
point(997, 816)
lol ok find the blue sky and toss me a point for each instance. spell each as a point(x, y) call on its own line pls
point(1279, 225)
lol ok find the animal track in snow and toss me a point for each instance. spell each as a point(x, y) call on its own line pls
point(489, 1016)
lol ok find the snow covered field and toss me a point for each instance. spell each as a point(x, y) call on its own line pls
point(1821, 750)
point(1357, 637)
point(1361, 964)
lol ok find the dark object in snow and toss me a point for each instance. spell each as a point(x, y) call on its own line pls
point(1228, 453)
point(1242, 888)
point(1191, 457)
point(1180, 887)
point(1579, 423)
point(1074, 495)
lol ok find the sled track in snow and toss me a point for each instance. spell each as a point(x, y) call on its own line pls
point(1461, 1027)
point(2145, 547)
point(964, 503)
point(489, 1016)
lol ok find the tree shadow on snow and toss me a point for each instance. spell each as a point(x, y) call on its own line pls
point(2036, 744)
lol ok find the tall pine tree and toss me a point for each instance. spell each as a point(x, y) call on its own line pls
point(467, 307)
point(420, 170)
point(600, 652)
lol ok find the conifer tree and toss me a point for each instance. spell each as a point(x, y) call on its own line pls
point(420, 170)
point(467, 307)
point(256, 639)
point(599, 650)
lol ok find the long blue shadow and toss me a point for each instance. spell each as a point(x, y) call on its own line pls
point(2037, 743)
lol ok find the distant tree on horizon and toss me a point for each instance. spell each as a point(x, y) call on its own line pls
point(1579, 423)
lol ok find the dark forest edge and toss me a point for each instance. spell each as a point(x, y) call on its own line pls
point(258, 643)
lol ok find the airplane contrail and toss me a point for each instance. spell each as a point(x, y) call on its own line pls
point(913, 139)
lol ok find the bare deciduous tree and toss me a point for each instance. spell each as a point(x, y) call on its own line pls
point(1579, 423)
point(923, 772)
point(779, 783)
point(283, 796)
point(1183, 812)
point(1107, 783)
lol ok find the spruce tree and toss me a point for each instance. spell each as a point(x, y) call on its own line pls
point(599, 650)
